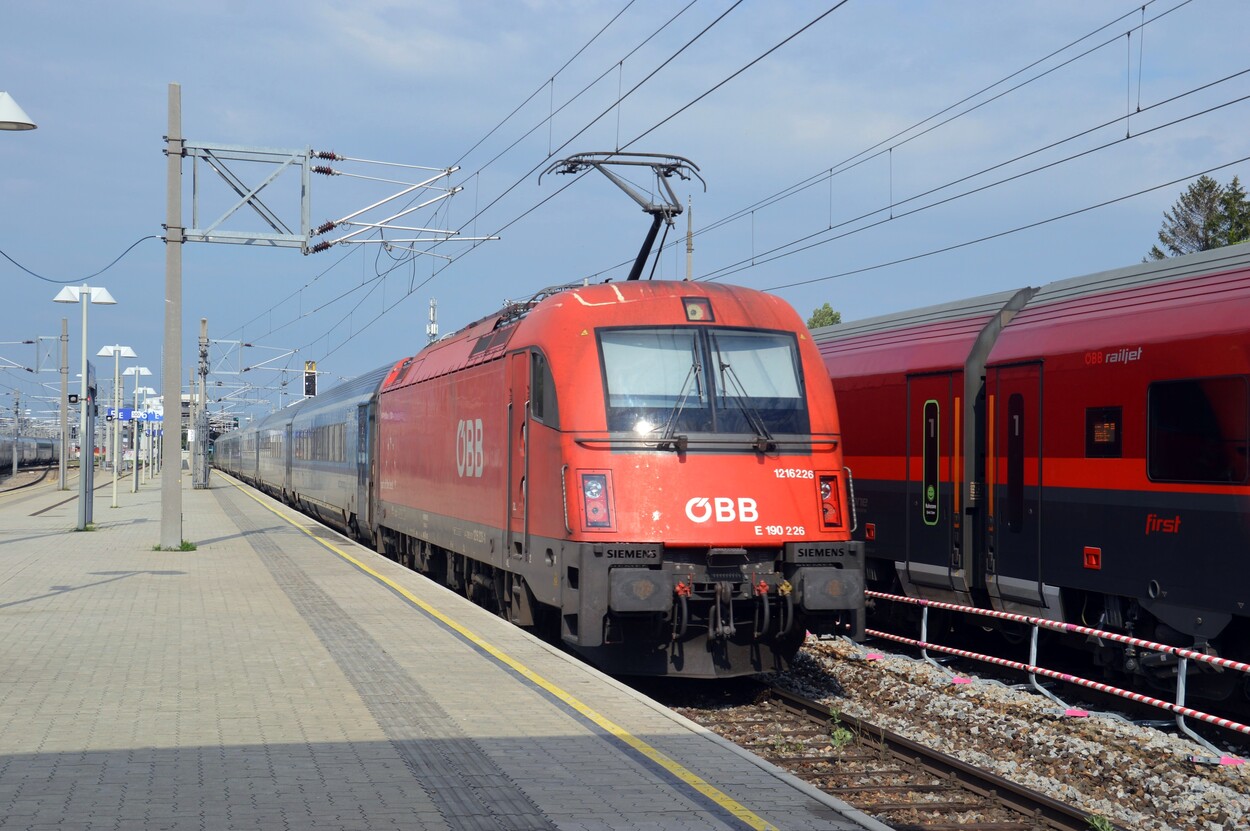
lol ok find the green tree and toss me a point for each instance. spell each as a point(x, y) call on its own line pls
point(1207, 215)
point(824, 316)
point(1236, 220)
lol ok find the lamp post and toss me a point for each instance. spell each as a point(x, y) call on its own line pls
point(11, 115)
point(17, 429)
point(117, 351)
point(82, 295)
point(134, 425)
point(141, 434)
point(64, 408)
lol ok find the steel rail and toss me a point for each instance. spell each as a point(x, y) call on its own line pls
point(1038, 806)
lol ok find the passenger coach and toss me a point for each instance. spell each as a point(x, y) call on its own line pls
point(1077, 452)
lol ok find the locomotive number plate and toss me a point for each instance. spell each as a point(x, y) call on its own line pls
point(780, 531)
point(793, 473)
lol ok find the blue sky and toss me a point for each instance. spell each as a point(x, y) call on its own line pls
point(434, 83)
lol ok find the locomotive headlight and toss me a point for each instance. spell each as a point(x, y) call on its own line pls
point(593, 486)
point(830, 509)
point(596, 501)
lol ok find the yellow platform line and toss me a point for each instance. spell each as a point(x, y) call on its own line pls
point(726, 802)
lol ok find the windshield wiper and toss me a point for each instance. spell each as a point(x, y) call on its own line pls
point(764, 439)
point(670, 424)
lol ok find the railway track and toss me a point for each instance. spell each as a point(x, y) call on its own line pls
point(26, 477)
point(904, 784)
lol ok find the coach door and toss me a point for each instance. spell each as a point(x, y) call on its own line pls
point(288, 453)
point(1014, 489)
point(518, 456)
point(933, 510)
point(362, 466)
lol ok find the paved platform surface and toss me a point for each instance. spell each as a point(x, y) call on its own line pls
point(281, 676)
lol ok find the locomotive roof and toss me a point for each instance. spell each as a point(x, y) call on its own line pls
point(563, 306)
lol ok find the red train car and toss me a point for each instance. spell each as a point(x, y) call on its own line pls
point(1078, 452)
point(656, 466)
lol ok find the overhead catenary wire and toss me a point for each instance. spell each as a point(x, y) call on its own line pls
point(1008, 232)
point(887, 144)
point(788, 248)
point(545, 200)
point(535, 168)
point(823, 176)
point(556, 74)
point(85, 278)
point(479, 211)
point(867, 154)
point(853, 158)
point(621, 98)
point(734, 74)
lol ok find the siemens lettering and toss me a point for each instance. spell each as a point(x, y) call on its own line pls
point(631, 552)
point(796, 552)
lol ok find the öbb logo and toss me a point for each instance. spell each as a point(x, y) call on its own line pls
point(722, 509)
point(469, 447)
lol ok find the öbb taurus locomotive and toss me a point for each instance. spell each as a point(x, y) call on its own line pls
point(1076, 452)
point(652, 468)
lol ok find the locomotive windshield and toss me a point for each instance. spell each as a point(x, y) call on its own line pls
point(667, 380)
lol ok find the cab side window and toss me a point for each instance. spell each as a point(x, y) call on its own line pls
point(543, 405)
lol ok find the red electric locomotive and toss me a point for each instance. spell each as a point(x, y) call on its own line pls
point(655, 467)
point(1077, 452)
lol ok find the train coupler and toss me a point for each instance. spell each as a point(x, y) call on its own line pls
point(722, 622)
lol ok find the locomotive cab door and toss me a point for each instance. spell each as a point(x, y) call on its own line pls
point(935, 565)
point(518, 455)
point(1014, 466)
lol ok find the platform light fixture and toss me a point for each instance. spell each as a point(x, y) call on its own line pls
point(117, 352)
point(145, 431)
point(134, 425)
point(84, 295)
point(12, 117)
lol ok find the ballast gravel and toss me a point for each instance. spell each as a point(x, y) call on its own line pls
point(1135, 777)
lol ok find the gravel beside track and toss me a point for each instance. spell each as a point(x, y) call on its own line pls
point(1136, 777)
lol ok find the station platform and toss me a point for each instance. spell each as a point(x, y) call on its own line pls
point(282, 676)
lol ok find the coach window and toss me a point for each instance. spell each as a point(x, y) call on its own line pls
point(1103, 432)
point(1199, 430)
point(543, 391)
